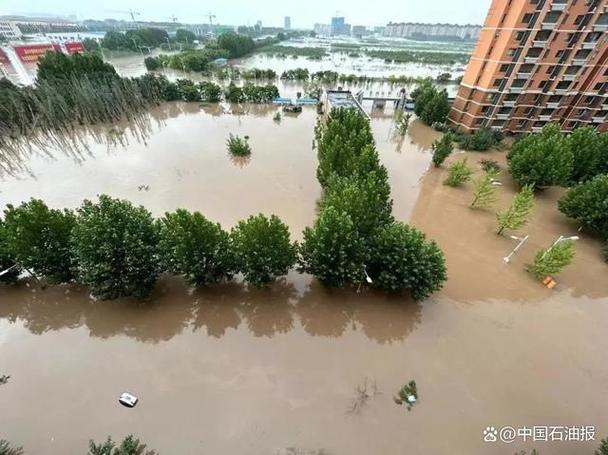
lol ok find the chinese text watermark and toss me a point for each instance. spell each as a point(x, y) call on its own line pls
point(539, 433)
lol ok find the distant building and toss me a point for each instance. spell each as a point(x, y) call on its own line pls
point(339, 27)
point(417, 30)
point(360, 31)
point(9, 30)
point(322, 29)
point(287, 23)
point(536, 63)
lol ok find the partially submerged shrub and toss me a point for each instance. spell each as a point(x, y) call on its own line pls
point(553, 259)
point(458, 173)
point(517, 215)
point(587, 203)
point(238, 146)
point(489, 165)
point(442, 148)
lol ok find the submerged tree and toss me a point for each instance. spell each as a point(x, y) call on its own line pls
point(587, 203)
point(542, 159)
point(129, 446)
point(516, 216)
point(9, 271)
point(332, 250)
point(484, 192)
point(39, 239)
point(192, 246)
point(238, 146)
point(262, 249)
point(458, 173)
point(442, 148)
point(7, 449)
point(403, 260)
point(115, 245)
point(552, 260)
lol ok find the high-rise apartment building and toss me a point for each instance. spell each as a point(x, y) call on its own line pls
point(537, 61)
point(287, 23)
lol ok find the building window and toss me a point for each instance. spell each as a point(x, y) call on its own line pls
point(527, 17)
point(497, 82)
point(579, 19)
point(542, 84)
point(598, 86)
point(511, 52)
point(504, 67)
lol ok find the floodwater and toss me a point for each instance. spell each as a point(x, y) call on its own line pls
point(233, 370)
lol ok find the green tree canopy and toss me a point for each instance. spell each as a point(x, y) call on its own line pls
point(432, 104)
point(38, 238)
point(587, 203)
point(542, 159)
point(366, 200)
point(553, 259)
point(517, 215)
point(54, 66)
point(128, 446)
point(236, 45)
point(262, 249)
point(332, 250)
point(442, 148)
point(403, 259)
point(7, 261)
point(590, 154)
point(115, 245)
point(184, 36)
point(192, 246)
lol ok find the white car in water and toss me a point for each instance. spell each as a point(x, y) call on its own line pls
point(127, 399)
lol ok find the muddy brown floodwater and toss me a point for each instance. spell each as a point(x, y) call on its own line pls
point(231, 370)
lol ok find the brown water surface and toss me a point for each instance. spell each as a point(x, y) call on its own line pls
point(233, 370)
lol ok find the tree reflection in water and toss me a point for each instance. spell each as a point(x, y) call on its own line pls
point(174, 308)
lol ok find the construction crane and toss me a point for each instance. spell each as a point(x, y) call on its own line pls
point(130, 13)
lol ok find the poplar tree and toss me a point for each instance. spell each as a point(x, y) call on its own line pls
point(516, 216)
point(484, 193)
point(552, 260)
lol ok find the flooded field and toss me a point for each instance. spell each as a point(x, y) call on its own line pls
point(231, 370)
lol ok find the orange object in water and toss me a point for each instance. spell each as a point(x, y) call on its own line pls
point(549, 282)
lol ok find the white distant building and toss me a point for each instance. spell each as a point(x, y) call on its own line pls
point(322, 29)
point(432, 31)
point(287, 23)
point(9, 31)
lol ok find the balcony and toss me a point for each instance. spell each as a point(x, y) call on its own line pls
point(545, 118)
point(553, 104)
point(523, 74)
point(530, 59)
point(502, 116)
point(589, 45)
point(558, 6)
point(539, 43)
point(548, 25)
point(600, 27)
point(537, 129)
point(569, 77)
point(561, 91)
point(579, 61)
point(508, 103)
point(598, 119)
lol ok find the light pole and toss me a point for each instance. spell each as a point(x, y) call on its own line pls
point(559, 240)
point(522, 240)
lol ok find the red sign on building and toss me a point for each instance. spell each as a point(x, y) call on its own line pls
point(33, 52)
point(74, 48)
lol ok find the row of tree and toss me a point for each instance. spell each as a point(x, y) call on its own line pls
point(355, 237)
point(133, 40)
point(552, 158)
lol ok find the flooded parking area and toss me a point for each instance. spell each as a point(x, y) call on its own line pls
point(233, 370)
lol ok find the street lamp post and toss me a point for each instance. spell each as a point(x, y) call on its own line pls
point(522, 240)
point(560, 239)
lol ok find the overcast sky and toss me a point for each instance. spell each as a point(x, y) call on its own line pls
point(270, 12)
